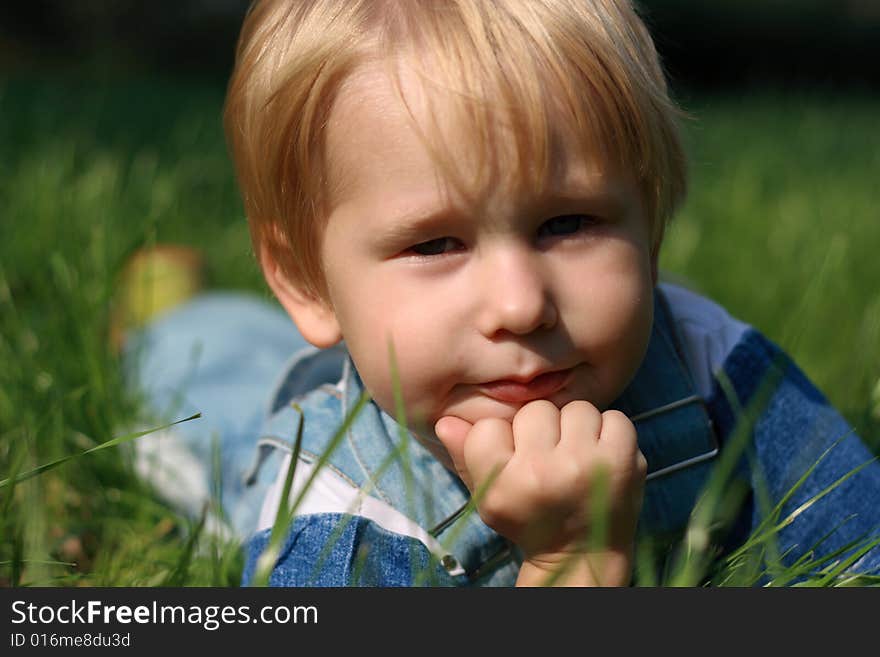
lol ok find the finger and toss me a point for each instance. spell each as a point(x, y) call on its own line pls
point(536, 427)
point(452, 432)
point(580, 424)
point(618, 437)
point(488, 448)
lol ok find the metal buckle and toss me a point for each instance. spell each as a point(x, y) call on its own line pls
point(694, 460)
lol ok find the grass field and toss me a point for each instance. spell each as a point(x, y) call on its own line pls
point(781, 227)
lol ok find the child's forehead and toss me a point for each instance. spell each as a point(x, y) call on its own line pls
point(389, 125)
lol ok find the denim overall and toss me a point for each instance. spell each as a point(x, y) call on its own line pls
point(680, 433)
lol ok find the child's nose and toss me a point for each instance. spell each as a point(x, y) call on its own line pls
point(516, 295)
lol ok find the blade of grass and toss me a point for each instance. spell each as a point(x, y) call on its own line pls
point(403, 447)
point(284, 520)
point(279, 528)
point(849, 561)
point(113, 442)
point(762, 533)
point(178, 576)
point(809, 566)
point(596, 540)
point(340, 528)
point(332, 445)
point(45, 562)
point(777, 509)
point(470, 508)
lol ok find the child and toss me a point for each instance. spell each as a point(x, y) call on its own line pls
point(472, 195)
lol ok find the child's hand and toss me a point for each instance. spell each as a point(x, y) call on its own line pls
point(548, 465)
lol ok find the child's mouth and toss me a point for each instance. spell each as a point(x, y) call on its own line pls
point(519, 392)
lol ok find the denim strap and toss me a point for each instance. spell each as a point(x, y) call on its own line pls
point(674, 428)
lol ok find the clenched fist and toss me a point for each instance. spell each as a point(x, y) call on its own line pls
point(544, 476)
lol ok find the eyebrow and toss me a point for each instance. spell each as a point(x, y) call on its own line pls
point(414, 226)
point(603, 202)
point(596, 193)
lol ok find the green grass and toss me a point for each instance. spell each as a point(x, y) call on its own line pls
point(781, 227)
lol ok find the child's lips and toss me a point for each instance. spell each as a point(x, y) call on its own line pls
point(520, 392)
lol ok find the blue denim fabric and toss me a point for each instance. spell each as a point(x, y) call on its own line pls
point(219, 354)
point(342, 550)
point(796, 427)
point(245, 344)
point(375, 455)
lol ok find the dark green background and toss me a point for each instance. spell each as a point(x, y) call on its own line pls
point(705, 44)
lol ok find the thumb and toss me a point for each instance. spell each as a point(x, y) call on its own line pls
point(452, 432)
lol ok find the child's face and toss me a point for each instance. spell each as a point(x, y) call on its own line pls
point(524, 294)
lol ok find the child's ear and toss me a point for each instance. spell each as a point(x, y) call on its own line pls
point(313, 317)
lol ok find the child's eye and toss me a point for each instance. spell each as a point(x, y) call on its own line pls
point(567, 224)
point(435, 247)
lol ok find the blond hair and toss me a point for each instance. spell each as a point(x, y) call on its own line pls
point(589, 63)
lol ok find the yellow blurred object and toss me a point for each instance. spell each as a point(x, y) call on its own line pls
point(154, 281)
